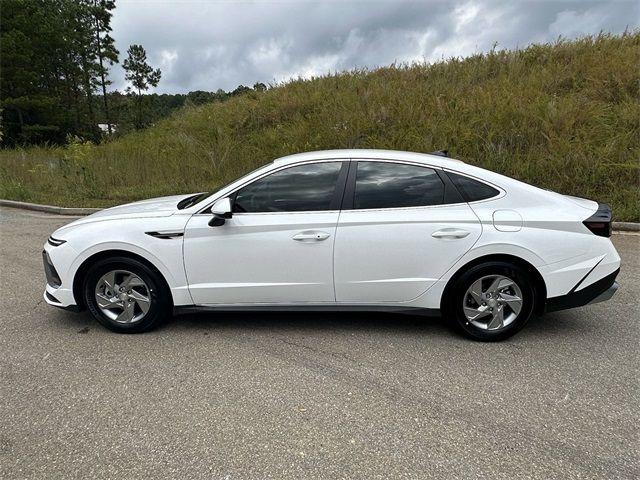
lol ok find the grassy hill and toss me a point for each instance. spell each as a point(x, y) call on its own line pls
point(564, 116)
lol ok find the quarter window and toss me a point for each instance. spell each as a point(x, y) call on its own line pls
point(308, 187)
point(472, 190)
point(393, 185)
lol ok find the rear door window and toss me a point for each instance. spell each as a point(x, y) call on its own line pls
point(396, 185)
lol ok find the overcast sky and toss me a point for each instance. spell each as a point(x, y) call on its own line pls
point(206, 45)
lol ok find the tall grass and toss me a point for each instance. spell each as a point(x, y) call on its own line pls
point(563, 116)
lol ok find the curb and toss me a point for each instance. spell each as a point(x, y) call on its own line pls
point(48, 208)
point(626, 227)
point(617, 226)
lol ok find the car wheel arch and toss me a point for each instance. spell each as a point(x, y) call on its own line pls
point(82, 270)
point(540, 287)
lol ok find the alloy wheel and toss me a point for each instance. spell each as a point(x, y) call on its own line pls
point(122, 296)
point(492, 302)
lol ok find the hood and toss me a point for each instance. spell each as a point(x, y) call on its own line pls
point(154, 207)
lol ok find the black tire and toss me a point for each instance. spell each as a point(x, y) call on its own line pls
point(161, 304)
point(456, 296)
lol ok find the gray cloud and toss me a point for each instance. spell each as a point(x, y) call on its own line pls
point(202, 45)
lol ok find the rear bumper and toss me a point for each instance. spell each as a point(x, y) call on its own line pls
point(599, 291)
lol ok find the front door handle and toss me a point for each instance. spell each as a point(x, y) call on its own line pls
point(311, 236)
point(450, 233)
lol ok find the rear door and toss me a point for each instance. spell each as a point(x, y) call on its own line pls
point(401, 228)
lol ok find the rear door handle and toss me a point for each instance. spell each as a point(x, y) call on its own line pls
point(311, 236)
point(450, 233)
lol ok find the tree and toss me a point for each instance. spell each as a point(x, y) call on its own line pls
point(105, 48)
point(141, 75)
point(240, 89)
point(33, 46)
point(50, 69)
point(199, 97)
point(260, 87)
point(84, 68)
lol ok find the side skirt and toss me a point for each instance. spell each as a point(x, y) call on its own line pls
point(424, 312)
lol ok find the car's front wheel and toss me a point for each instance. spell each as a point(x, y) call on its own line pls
point(490, 301)
point(125, 295)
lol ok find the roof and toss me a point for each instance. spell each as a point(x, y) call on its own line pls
point(369, 154)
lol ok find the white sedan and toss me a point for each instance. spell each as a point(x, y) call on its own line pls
point(367, 230)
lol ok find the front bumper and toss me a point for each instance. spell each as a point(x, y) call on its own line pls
point(50, 272)
point(53, 301)
point(59, 288)
point(599, 291)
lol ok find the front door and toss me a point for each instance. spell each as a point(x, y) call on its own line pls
point(278, 246)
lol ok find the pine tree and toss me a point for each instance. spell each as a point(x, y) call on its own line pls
point(31, 83)
point(105, 48)
point(55, 54)
point(141, 75)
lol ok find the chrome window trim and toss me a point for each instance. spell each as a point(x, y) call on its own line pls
point(303, 212)
point(417, 207)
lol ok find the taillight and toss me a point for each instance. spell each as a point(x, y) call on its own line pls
point(600, 222)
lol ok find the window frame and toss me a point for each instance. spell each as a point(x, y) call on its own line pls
point(336, 200)
point(451, 194)
point(346, 179)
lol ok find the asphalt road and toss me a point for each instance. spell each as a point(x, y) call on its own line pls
point(253, 396)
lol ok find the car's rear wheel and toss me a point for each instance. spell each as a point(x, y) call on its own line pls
point(491, 301)
point(125, 295)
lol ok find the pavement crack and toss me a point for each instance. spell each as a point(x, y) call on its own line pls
point(38, 303)
point(337, 355)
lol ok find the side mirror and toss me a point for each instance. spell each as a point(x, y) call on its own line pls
point(221, 210)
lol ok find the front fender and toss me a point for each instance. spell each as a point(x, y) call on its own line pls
point(129, 236)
